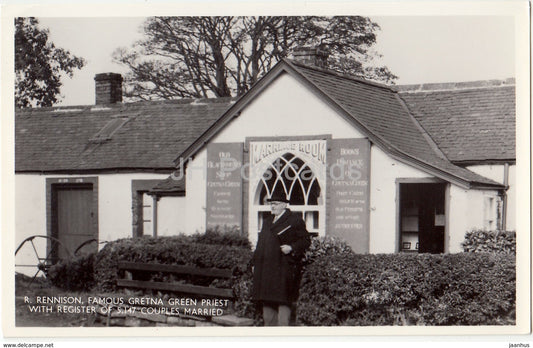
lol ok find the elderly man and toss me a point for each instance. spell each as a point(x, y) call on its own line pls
point(277, 262)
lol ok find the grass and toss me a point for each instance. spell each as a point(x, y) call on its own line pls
point(25, 288)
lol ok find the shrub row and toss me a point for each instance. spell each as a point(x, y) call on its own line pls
point(178, 250)
point(408, 289)
point(338, 287)
point(490, 241)
point(211, 249)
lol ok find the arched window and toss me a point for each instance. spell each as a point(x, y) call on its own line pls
point(291, 176)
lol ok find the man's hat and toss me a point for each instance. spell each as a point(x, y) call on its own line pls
point(278, 197)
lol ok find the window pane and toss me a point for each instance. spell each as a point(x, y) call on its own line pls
point(311, 220)
point(306, 175)
point(278, 189)
point(314, 193)
point(270, 177)
point(288, 156)
point(263, 195)
point(297, 195)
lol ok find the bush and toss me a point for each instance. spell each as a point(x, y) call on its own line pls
point(408, 289)
point(322, 246)
point(490, 241)
point(206, 251)
point(220, 236)
point(74, 274)
point(179, 250)
point(202, 250)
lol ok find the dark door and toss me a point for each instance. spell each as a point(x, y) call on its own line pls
point(423, 205)
point(74, 214)
point(431, 236)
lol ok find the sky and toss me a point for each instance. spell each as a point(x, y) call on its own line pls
point(418, 49)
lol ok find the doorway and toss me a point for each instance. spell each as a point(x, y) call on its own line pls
point(422, 217)
point(73, 218)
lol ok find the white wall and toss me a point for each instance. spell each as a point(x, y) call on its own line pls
point(114, 207)
point(171, 216)
point(511, 200)
point(30, 206)
point(383, 199)
point(114, 204)
point(466, 213)
point(496, 172)
point(196, 193)
point(30, 219)
point(286, 108)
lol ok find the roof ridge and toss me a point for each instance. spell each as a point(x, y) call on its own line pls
point(213, 100)
point(454, 86)
point(100, 107)
point(62, 108)
point(339, 74)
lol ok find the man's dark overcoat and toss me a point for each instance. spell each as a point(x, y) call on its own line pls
point(276, 275)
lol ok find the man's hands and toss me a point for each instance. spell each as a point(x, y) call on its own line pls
point(286, 249)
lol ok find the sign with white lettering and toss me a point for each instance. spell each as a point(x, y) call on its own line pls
point(315, 149)
point(224, 185)
point(349, 192)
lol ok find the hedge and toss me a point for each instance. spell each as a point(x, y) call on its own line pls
point(166, 250)
point(490, 241)
point(408, 289)
point(338, 287)
point(211, 249)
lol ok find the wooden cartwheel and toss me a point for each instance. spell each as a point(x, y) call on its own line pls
point(42, 261)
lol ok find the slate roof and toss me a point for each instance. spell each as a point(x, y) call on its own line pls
point(470, 122)
point(62, 139)
point(171, 185)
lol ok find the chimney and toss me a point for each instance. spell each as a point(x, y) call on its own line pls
point(311, 56)
point(108, 88)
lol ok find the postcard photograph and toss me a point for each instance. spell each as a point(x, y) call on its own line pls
point(216, 171)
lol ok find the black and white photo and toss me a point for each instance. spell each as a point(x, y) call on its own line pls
point(342, 170)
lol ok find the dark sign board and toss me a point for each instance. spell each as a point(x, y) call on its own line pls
point(224, 185)
point(349, 192)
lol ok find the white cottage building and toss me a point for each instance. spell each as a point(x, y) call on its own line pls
point(388, 169)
